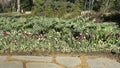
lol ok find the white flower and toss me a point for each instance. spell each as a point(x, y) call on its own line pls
point(56, 39)
point(29, 33)
point(25, 32)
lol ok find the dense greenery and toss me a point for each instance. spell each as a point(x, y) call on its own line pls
point(37, 34)
point(60, 8)
point(54, 8)
point(26, 5)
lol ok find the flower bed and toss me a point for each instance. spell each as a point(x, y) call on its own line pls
point(57, 35)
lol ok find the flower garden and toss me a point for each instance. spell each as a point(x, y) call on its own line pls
point(51, 35)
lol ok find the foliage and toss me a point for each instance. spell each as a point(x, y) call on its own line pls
point(53, 8)
point(57, 35)
point(26, 5)
point(60, 8)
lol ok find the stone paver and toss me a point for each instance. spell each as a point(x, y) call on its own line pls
point(102, 63)
point(60, 62)
point(41, 65)
point(12, 64)
point(68, 61)
point(34, 58)
point(2, 58)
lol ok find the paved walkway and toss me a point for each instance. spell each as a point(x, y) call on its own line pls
point(57, 62)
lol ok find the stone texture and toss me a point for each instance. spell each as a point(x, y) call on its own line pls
point(34, 58)
point(41, 65)
point(2, 58)
point(102, 63)
point(68, 61)
point(12, 64)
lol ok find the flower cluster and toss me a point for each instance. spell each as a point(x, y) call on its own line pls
point(86, 36)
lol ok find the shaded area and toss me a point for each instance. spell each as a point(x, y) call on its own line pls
point(115, 17)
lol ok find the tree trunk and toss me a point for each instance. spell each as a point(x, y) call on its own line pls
point(2, 3)
point(89, 4)
point(18, 6)
point(85, 6)
point(107, 6)
point(92, 4)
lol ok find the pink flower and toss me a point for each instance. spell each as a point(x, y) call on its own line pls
point(5, 33)
point(27, 35)
point(109, 35)
point(40, 36)
point(82, 36)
